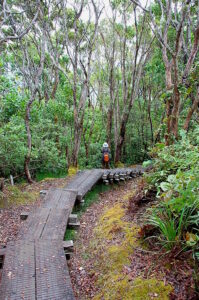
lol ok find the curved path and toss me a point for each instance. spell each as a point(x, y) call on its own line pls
point(35, 266)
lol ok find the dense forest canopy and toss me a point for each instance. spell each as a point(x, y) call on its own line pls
point(74, 74)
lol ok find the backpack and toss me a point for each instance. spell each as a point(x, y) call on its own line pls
point(106, 157)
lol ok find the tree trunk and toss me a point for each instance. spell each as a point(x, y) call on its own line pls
point(169, 86)
point(176, 102)
point(116, 121)
point(77, 140)
point(118, 154)
point(67, 156)
point(87, 153)
point(29, 142)
point(109, 125)
point(149, 116)
point(1, 184)
point(191, 111)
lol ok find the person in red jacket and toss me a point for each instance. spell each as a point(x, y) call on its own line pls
point(106, 156)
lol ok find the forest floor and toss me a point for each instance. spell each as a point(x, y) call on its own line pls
point(110, 259)
point(112, 262)
point(21, 198)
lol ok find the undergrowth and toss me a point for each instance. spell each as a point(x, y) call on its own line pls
point(114, 243)
point(70, 234)
point(44, 175)
point(175, 176)
point(14, 196)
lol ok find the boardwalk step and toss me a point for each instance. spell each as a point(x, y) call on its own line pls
point(2, 256)
point(68, 246)
point(73, 225)
point(43, 192)
point(106, 182)
point(72, 218)
point(24, 215)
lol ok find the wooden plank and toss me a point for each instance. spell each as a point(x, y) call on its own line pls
point(52, 276)
point(67, 199)
point(35, 224)
point(55, 226)
point(18, 278)
point(78, 180)
point(87, 185)
point(52, 198)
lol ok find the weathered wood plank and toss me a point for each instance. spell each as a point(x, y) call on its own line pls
point(52, 276)
point(18, 278)
point(55, 226)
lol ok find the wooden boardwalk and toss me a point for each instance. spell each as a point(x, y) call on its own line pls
point(35, 267)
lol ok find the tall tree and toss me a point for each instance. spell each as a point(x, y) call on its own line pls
point(30, 56)
point(173, 27)
point(77, 41)
point(135, 46)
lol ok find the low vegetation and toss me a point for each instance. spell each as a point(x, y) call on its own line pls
point(114, 243)
point(175, 176)
point(15, 196)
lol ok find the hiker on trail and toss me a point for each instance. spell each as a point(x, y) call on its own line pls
point(106, 156)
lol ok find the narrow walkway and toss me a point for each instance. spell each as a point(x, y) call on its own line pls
point(35, 266)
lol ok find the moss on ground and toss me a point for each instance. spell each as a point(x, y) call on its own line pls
point(115, 241)
point(119, 164)
point(72, 171)
point(14, 196)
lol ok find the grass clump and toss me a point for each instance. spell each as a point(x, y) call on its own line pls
point(14, 196)
point(70, 234)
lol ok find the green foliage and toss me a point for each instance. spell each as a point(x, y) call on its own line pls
point(70, 234)
point(176, 178)
point(43, 175)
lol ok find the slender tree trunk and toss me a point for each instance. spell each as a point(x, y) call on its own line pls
point(55, 85)
point(77, 140)
point(191, 111)
point(1, 184)
point(149, 116)
point(121, 138)
point(29, 142)
point(109, 125)
point(116, 121)
point(158, 134)
point(169, 87)
point(176, 103)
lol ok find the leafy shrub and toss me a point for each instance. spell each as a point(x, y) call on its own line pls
point(176, 177)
